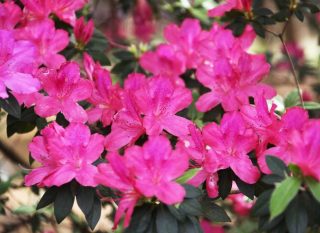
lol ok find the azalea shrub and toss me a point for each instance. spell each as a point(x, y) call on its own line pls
point(178, 136)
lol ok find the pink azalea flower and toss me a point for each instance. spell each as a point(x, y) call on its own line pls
point(137, 174)
point(185, 39)
point(10, 15)
point(15, 69)
point(197, 150)
point(83, 31)
point(208, 227)
point(229, 5)
point(230, 144)
point(165, 61)
point(105, 98)
point(144, 25)
point(63, 9)
point(263, 121)
point(241, 204)
point(127, 124)
point(159, 101)
point(298, 142)
point(232, 74)
point(65, 88)
point(48, 41)
point(65, 154)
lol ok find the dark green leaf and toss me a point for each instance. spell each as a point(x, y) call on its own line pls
point(224, 183)
point(258, 28)
point(283, 195)
point(246, 189)
point(98, 42)
point(190, 225)
point(166, 222)
point(63, 203)
point(276, 165)
point(94, 214)
point(141, 219)
point(124, 55)
point(192, 192)
point(213, 212)
point(99, 56)
point(262, 11)
point(191, 207)
point(271, 179)
point(11, 106)
point(261, 207)
point(299, 14)
point(48, 197)
point(85, 198)
point(296, 216)
point(4, 186)
point(176, 213)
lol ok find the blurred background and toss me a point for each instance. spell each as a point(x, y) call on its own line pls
point(136, 25)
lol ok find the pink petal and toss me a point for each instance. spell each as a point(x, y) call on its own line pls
point(21, 83)
point(60, 176)
point(74, 112)
point(82, 91)
point(245, 170)
point(170, 193)
point(94, 148)
point(86, 175)
point(37, 175)
point(207, 101)
point(47, 106)
point(176, 125)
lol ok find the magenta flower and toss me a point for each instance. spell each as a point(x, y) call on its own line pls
point(65, 154)
point(230, 144)
point(165, 61)
point(15, 69)
point(232, 74)
point(144, 25)
point(147, 171)
point(299, 142)
point(83, 31)
point(209, 227)
point(185, 39)
point(106, 98)
point(64, 89)
point(159, 101)
point(64, 9)
point(241, 205)
point(229, 5)
point(48, 41)
point(127, 124)
point(10, 15)
point(197, 150)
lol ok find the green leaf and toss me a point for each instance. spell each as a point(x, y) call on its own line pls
point(296, 216)
point(283, 195)
point(124, 55)
point(191, 207)
point(292, 99)
point(24, 210)
point(272, 179)
point(48, 197)
point(63, 203)
point(261, 207)
point(99, 56)
point(311, 105)
point(277, 166)
point(4, 186)
point(94, 214)
point(165, 221)
point(213, 212)
point(225, 182)
point(85, 198)
point(192, 192)
point(190, 225)
point(11, 106)
point(246, 189)
point(141, 219)
point(314, 187)
point(188, 175)
point(98, 42)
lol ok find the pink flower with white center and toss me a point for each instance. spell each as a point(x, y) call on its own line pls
point(159, 101)
point(230, 144)
point(229, 5)
point(64, 88)
point(147, 171)
point(63, 9)
point(144, 25)
point(48, 41)
point(83, 31)
point(185, 39)
point(10, 15)
point(15, 69)
point(106, 99)
point(165, 61)
point(65, 154)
